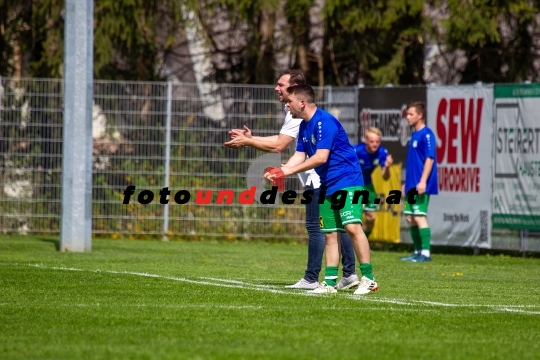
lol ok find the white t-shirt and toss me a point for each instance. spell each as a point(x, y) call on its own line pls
point(291, 127)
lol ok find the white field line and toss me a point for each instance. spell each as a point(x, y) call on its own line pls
point(214, 306)
point(229, 283)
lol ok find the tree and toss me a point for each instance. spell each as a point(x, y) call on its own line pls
point(374, 42)
point(497, 39)
point(129, 37)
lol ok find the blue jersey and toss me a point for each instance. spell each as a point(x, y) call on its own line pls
point(422, 146)
point(323, 131)
point(368, 162)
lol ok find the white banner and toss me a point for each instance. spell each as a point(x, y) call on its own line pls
point(516, 199)
point(462, 120)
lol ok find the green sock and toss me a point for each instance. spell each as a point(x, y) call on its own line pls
point(366, 270)
point(330, 275)
point(367, 232)
point(417, 240)
point(425, 236)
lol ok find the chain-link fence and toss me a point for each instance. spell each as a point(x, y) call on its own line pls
point(156, 135)
point(151, 135)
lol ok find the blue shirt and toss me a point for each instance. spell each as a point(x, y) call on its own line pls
point(422, 146)
point(368, 162)
point(323, 131)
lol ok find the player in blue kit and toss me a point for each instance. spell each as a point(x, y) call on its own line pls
point(309, 179)
point(370, 155)
point(323, 145)
point(421, 173)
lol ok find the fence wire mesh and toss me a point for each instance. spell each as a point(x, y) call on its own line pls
point(156, 135)
point(143, 132)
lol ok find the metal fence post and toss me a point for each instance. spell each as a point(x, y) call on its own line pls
point(77, 142)
point(167, 159)
point(328, 97)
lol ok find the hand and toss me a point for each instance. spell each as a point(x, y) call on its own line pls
point(277, 176)
point(237, 141)
point(271, 173)
point(389, 161)
point(245, 131)
point(275, 173)
point(421, 187)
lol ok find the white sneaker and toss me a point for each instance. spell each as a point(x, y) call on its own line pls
point(348, 282)
point(366, 286)
point(323, 289)
point(303, 284)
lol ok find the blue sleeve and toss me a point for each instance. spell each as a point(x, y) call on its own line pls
point(356, 149)
point(299, 141)
point(300, 145)
point(430, 145)
point(326, 133)
point(383, 153)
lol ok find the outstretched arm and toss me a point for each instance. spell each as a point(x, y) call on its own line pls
point(241, 138)
point(386, 168)
point(297, 158)
point(320, 157)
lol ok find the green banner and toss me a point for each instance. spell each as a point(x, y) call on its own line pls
point(517, 91)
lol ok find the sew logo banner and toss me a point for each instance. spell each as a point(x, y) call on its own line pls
point(462, 120)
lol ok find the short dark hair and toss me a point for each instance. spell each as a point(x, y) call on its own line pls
point(296, 76)
point(420, 108)
point(303, 92)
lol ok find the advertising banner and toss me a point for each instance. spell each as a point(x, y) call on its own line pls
point(386, 228)
point(386, 108)
point(516, 173)
point(462, 120)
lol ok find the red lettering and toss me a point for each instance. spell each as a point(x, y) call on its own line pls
point(459, 179)
point(247, 196)
point(477, 180)
point(456, 109)
point(470, 131)
point(224, 193)
point(207, 197)
point(463, 183)
point(441, 130)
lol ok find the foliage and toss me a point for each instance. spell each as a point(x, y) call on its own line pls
point(335, 42)
point(499, 39)
point(379, 42)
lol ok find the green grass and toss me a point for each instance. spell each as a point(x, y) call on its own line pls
point(217, 300)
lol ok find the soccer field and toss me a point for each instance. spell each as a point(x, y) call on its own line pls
point(216, 300)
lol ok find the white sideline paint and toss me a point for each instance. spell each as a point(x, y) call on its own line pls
point(214, 306)
point(230, 283)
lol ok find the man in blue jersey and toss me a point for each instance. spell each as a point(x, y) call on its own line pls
point(323, 145)
point(309, 179)
point(370, 155)
point(421, 176)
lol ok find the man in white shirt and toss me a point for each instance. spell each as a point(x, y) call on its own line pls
point(310, 180)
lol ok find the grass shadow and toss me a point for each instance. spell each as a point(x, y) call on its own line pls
point(452, 250)
point(55, 242)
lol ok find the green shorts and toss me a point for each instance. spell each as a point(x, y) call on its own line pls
point(419, 208)
point(371, 206)
point(334, 220)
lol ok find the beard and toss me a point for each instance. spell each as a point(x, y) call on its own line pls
point(294, 113)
